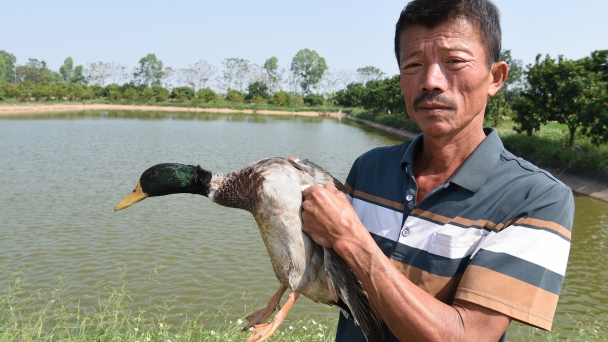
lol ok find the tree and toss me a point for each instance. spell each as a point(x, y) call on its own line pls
point(2, 69)
point(273, 73)
point(234, 73)
point(35, 71)
point(150, 71)
point(510, 91)
point(384, 96)
point(561, 90)
point(259, 89)
point(369, 73)
point(9, 60)
point(70, 74)
point(308, 67)
point(99, 72)
point(345, 76)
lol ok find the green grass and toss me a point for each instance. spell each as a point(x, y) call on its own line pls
point(49, 315)
point(549, 146)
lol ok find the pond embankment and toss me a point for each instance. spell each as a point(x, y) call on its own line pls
point(6, 110)
point(593, 183)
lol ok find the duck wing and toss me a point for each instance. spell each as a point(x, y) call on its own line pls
point(341, 279)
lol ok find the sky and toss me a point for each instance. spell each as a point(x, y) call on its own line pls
point(348, 34)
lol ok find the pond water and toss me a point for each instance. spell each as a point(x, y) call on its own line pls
point(63, 173)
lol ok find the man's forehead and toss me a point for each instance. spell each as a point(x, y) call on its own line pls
point(452, 35)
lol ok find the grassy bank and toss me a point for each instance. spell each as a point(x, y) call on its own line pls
point(51, 315)
point(549, 146)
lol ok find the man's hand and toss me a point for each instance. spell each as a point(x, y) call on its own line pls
point(328, 216)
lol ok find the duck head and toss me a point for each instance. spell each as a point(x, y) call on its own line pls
point(167, 179)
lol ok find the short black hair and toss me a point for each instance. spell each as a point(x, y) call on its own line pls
point(431, 13)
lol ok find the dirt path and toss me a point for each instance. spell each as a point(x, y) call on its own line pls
point(8, 110)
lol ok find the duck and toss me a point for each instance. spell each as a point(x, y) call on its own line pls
point(271, 190)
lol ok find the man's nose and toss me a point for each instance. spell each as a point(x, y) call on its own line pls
point(434, 78)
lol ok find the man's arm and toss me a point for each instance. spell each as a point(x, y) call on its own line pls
point(410, 312)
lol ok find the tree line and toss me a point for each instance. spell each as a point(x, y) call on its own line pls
point(307, 73)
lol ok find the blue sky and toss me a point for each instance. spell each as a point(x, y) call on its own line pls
point(348, 34)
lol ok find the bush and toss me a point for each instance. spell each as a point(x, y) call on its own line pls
point(235, 96)
point(12, 91)
point(257, 88)
point(314, 100)
point(130, 94)
point(352, 96)
point(297, 100)
point(206, 95)
point(98, 91)
point(148, 95)
point(161, 94)
point(181, 94)
point(281, 98)
point(59, 91)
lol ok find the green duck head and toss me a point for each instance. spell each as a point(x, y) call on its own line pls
point(167, 179)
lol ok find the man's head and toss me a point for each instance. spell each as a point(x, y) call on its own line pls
point(483, 14)
point(448, 55)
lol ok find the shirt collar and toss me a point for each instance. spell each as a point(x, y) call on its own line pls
point(476, 169)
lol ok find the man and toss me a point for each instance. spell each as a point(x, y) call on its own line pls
point(465, 237)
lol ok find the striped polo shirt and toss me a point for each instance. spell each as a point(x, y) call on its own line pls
point(496, 234)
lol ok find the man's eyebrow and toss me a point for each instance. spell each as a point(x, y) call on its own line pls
point(456, 48)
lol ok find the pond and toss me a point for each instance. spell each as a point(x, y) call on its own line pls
point(63, 173)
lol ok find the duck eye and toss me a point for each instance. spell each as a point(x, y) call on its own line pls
point(134, 190)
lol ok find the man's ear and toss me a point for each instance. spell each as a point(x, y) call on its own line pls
point(499, 73)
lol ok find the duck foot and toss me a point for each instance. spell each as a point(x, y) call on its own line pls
point(262, 315)
point(264, 331)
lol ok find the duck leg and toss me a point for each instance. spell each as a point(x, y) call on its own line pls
point(262, 315)
point(264, 331)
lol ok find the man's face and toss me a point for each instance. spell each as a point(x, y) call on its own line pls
point(445, 77)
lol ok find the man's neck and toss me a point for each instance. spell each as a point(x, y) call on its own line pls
point(441, 157)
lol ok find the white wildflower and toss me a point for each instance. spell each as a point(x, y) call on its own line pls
point(290, 327)
point(212, 332)
point(147, 339)
point(135, 329)
point(313, 322)
point(320, 335)
point(304, 327)
point(239, 321)
point(160, 325)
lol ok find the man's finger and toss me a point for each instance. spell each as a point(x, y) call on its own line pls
point(306, 192)
point(330, 186)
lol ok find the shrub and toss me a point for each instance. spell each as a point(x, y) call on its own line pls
point(297, 100)
point(98, 91)
point(161, 94)
point(314, 100)
point(257, 88)
point(235, 96)
point(281, 98)
point(206, 95)
point(181, 94)
point(148, 95)
point(12, 91)
point(130, 94)
point(59, 91)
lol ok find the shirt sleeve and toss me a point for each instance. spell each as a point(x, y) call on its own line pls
point(519, 267)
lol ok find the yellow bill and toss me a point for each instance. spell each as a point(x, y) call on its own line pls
point(134, 197)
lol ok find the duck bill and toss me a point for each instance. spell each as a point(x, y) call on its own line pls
point(134, 197)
